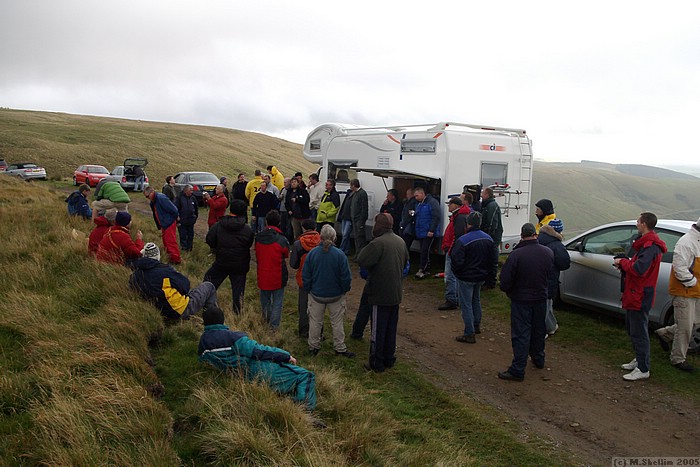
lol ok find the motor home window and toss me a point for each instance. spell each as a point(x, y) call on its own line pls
point(493, 174)
point(418, 146)
point(315, 145)
point(342, 173)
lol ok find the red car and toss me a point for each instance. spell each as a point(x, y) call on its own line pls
point(89, 174)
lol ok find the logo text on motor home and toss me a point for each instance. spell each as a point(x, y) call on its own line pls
point(491, 147)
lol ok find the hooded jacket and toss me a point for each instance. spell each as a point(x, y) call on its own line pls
point(276, 178)
point(78, 205)
point(162, 285)
point(641, 272)
point(456, 227)
point(562, 261)
point(271, 248)
point(102, 225)
point(231, 239)
point(685, 270)
point(305, 243)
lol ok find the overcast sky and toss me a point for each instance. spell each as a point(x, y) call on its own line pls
point(614, 81)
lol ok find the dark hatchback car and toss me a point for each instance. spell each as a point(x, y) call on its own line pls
point(200, 181)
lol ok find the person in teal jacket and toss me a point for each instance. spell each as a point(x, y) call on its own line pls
point(234, 350)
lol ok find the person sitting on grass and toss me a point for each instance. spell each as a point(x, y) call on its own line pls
point(78, 204)
point(102, 222)
point(168, 289)
point(116, 245)
point(234, 350)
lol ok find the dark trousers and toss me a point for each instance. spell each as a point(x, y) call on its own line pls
point(303, 305)
point(186, 236)
point(493, 270)
point(425, 245)
point(382, 347)
point(527, 331)
point(637, 324)
point(364, 311)
point(408, 238)
point(358, 231)
point(216, 275)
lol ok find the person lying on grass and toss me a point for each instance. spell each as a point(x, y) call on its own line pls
point(225, 349)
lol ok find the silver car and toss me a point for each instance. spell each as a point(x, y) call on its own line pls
point(592, 281)
point(26, 171)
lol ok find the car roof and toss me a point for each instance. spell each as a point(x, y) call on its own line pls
point(92, 165)
point(677, 225)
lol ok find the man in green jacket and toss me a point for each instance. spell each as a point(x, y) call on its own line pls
point(492, 225)
point(110, 194)
point(384, 258)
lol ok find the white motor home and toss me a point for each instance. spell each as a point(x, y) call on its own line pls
point(443, 157)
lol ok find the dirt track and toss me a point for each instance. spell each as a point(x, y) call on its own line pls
point(576, 402)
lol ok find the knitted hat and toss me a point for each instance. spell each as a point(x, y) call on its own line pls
point(527, 230)
point(151, 250)
point(546, 206)
point(213, 315)
point(557, 225)
point(383, 222)
point(123, 218)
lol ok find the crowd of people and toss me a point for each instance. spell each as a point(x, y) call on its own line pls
point(291, 222)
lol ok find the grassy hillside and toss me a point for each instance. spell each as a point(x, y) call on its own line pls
point(585, 196)
point(62, 142)
point(90, 374)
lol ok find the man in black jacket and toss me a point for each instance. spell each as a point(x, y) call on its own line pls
point(231, 239)
point(525, 279)
point(186, 205)
point(264, 202)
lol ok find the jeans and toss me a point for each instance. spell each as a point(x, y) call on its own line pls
point(550, 320)
point(527, 334)
point(271, 302)
point(138, 183)
point(217, 274)
point(382, 347)
point(259, 224)
point(364, 311)
point(637, 324)
point(470, 304)
point(202, 296)
point(186, 236)
point(346, 232)
point(450, 282)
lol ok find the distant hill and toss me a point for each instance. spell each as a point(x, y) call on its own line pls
point(585, 194)
point(61, 142)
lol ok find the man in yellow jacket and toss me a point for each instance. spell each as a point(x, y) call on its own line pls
point(253, 187)
point(277, 177)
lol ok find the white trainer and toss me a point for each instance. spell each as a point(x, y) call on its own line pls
point(636, 374)
point(629, 366)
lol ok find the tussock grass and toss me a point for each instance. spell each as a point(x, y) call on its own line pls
point(91, 375)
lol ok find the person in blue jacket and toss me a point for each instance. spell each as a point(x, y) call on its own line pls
point(78, 204)
point(427, 227)
point(234, 350)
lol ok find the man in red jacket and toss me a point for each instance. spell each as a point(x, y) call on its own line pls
point(116, 245)
point(102, 224)
point(217, 205)
point(456, 227)
point(271, 249)
point(639, 276)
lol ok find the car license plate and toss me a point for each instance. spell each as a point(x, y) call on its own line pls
point(209, 187)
